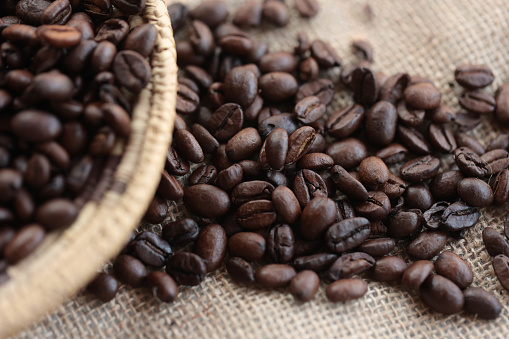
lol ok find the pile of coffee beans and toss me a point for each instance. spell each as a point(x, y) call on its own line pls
point(69, 71)
point(288, 193)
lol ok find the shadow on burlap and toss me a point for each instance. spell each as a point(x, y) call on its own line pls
point(419, 37)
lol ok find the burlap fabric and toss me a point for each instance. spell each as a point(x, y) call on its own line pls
point(419, 37)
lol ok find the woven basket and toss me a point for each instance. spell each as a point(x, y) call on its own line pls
point(66, 261)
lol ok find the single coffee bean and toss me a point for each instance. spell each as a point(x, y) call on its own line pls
point(285, 121)
point(501, 141)
point(316, 217)
point(467, 121)
point(404, 223)
point(208, 143)
point(495, 161)
point(163, 287)
point(348, 185)
point(316, 161)
point(206, 201)
point(475, 192)
point(325, 54)
point(482, 303)
point(500, 187)
point(316, 262)
point(275, 275)
point(256, 214)
point(226, 121)
point(378, 247)
point(142, 39)
point(241, 86)
point(304, 285)
point(494, 242)
point(451, 266)
point(420, 169)
point(410, 116)
point(418, 196)
point(347, 153)
point(240, 271)
point(427, 244)
point(230, 177)
point(308, 69)
point(307, 9)
point(373, 173)
point(211, 246)
point(394, 187)
point(151, 249)
point(443, 185)
point(169, 187)
point(286, 204)
point(104, 287)
point(186, 268)
point(393, 87)
point(175, 164)
point(502, 101)
point(347, 234)
point(23, 243)
point(442, 295)
point(251, 190)
point(130, 270)
point(308, 185)
point(187, 100)
point(220, 160)
point(248, 15)
point(415, 275)
point(322, 88)
point(243, 145)
point(392, 154)
point(309, 109)
point(201, 38)
point(56, 214)
point(299, 143)
point(187, 146)
point(346, 289)
point(441, 138)
point(376, 207)
point(35, 126)
point(477, 102)
point(131, 70)
point(364, 86)
point(433, 216)
point(280, 244)
point(458, 216)
point(442, 114)
point(389, 268)
point(345, 122)
point(247, 245)
point(469, 163)
point(349, 264)
point(473, 76)
point(277, 86)
point(180, 232)
point(422, 96)
point(278, 62)
point(413, 139)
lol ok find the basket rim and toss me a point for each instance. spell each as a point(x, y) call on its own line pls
point(70, 259)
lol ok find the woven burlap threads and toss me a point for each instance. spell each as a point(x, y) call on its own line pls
point(428, 38)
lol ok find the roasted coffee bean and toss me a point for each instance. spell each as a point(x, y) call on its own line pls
point(316, 217)
point(307, 8)
point(420, 169)
point(249, 14)
point(285, 121)
point(469, 163)
point(250, 169)
point(389, 268)
point(494, 242)
point(309, 109)
point(392, 154)
point(415, 275)
point(157, 211)
point(240, 271)
point(427, 244)
point(35, 126)
point(275, 275)
point(316, 262)
point(418, 196)
point(459, 216)
point(364, 87)
point(208, 143)
point(187, 145)
point(482, 303)
point(394, 187)
point(280, 244)
point(467, 121)
point(477, 102)
point(187, 100)
point(180, 232)
point(220, 159)
point(502, 101)
point(241, 86)
point(441, 138)
point(151, 249)
point(404, 223)
point(175, 164)
point(113, 30)
point(442, 114)
point(413, 139)
point(243, 145)
point(226, 121)
point(347, 234)
point(131, 70)
point(442, 295)
point(433, 216)
point(347, 153)
point(408, 115)
point(315, 162)
point(163, 287)
point(276, 13)
point(345, 122)
point(278, 62)
point(500, 187)
point(256, 214)
point(299, 143)
point(346, 289)
point(277, 86)
point(212, 13)
point(201, 38)
point(56, 214)
point(376, 207)
point(475, 192)
point(104, 287)
point(211, 246)
point(169, 187)
point(378, 247)
point(422, 96)
point(501, 141)
point(304, 285)
point(348, 185)
point(322, 88)
point(23, 243)
point(325, 54)
point(473, 76)
point(349, 264)
point(186, 268)
point(238, 44)
point(247, 245)
point(206, 201)
point(465, 140)
point(393, 87)
point(451, 266)
point(286, 204)
point(308, 69)
point(142, 39)
point(495, 161)
point(251, 190)
point(130, 270)
point(229, 177)
point(308, 185)
point(373, 173)
point(11, 182)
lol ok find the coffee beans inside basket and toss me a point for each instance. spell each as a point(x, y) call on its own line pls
point(287, 192)
point(69, 74)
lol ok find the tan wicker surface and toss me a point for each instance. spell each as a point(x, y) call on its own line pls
point(68, 260)
point(425, 37)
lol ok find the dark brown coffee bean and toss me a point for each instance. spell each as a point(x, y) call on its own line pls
point(249, 14)
point(175, 164)
point(420, 169)
point(277, 86)
point(433, 216)
point(442, 114)
point(475, 192)
point(251, 190)
point(373, 173)
point(11, 182)
point(470, 163)
point(416, 274)
point(56, 214)
point(427, 244)
point(346, 289)
point(186, 268)
point(151, 249)
point(211, 246)
point(441, 138)
point(467, 121)
point(247, 245)
point(316, 162)
point(308, 69)
point(256, 214)
point(496, 161)
point(30, 11)
point(201, 38)
point(376, 206)
point(142, 39)
point(418, 196)
point(169, 187)
point(392, 154)
point(285, 121)
point(502, 101)
point(60, 36)
point(347, 234)
point(315, 262)
point(378, 247)
point(308, 185)
point(473, 76)
point(307, 9)
point(459, 216)
point(325, 54)
point(501, 141)
point(250, 169)
point(226, 121)
point(364, 87)
point(23, 243)
point(241, 86)
point(157, 211)
point(299, 143)
point(207, 142)
point(500, 187)
point(482, 303)
point(348, 185)
point(187, 145)
point(130, 270)
point(347, 153)
point(276, 13)
point(316, 217)
point(322, 88)
point(243, 145)
point(304, 285)
point(451, 266)
point(35, 126)
point(280, 244)
point(238, 44)
point(104, 287)
point(349, 264)
point(442, 295)
point(187, 100)
point(212, 12)
point(206, 201)
point(180, 232)
point(58, 12)
point(494, 242)
point(309, 109)
point(240, 271)
point(229, 177)
point(117, 118)
point(275, 275)
point(443, 185)
point(131, 70)
point(393, 87)
point(163, 287)
point(477, 102)
point(389, 268)
point(278, 62)
point(465, 140)
point(422, 96)
point(394, 187)
point(404, 223)
point(345, 122)
point(413, 139)
point(286, 204)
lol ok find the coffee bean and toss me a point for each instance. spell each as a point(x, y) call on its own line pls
point(459, 216)
point(345, 122)
point(304, 285)
point(389, 268)
point(276, 13)
point(393, 87)
point(286, 204)
point(475, 192)
point(104, 287)
point(275, 275)
point(420, 169)
point(422, 96)
point(349, 264)
point(256, 214)
point(180, 232)
point(415, 275)
point(142, 39)
point(249, 14)
point(23, 243)
point(441, 138)
point(169, 188)
point(465, 140)
point(482, 303)
point(186, 268)
point(494, 242)
point(229, 177)
point(56, 214)
point(325, 54)
point(413, 139)
point(309, 109)
point(376, 206)
point(477, 102)
point(201, 38)
point(473, 76)
point(130, 270)
point(277, 86)
point(322, 88)
point(280, 243)
point(404, 223)
point(501, 141)
point(346, 289)
point(251, 190)
point(247, 245)
point(378, 247)
point(211, 246)
point(347, 234)
point(187, 145)
point(243, 145)
point(418, 196)
point(427, 244)
point(307, 8)
point(442, 114)
point(316, 217)
point(392, 154)
point(131, 70)
point(226, 121)
point(451, 266)
point(502, 104)
point(347, 153)
point(469, 162)
point(500, 187)
point(316, 262)
point(495, 161)
point(175, 164)
point(206, 200)
point(163, 287)
point(151, 249)
point(241, 86)
point(442, 295)
point(348, 185)
point(373, 173)
point(207, 142)
point(364, 87)
point(240, 271)
point(157, 211)
point(467, 121)
point(308, 185)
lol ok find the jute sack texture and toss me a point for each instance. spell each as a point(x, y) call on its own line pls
point(66, 261)
point(429, 38)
